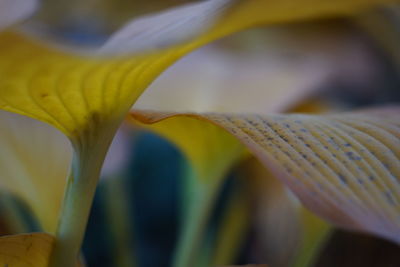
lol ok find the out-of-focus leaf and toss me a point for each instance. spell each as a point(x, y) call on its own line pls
point(382, 25)
point(343, 167)
point(167, 28)
point(282, 65)
point(190, 20)
point(315, 234)
point(95, 17)
point(34, 162)
point(276, 216)
point(13, 215)
point(78, 95)
point(216, 78)
point(117, 203)
point(233, 227)
point(211, 152)
point(286, 232)
point(13, 11)
point(26, 250)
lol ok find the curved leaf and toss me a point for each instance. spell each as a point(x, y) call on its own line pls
point(211, 152)
point(78, 95)
point(343, 167)
point(232, 230)
point(86, 97)
point(26, 250)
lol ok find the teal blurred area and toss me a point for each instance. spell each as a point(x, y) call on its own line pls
point(151, 185)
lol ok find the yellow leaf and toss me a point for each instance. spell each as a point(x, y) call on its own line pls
point(34, 162)
point(316, 233)
point(80, 95)
point(211, 152)
point(233, 227)
point(87, 96)
point(343, 167)
point(26, 250)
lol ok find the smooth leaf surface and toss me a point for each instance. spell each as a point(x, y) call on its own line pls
point(226, 75)
point(34, 163)
point(212, 74)
point(77, 94)
point(26, 250)
point(343, 167)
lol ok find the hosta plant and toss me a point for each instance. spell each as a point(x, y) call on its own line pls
point(343, 167)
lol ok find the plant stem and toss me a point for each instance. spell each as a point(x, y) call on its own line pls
point(192, 232)
point(232, 228)
point(117, 207)
point(81, 186)
point(199, 202)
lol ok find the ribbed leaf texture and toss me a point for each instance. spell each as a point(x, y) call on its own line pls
point(344, 167)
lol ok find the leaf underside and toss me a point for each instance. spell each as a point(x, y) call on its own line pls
point(343, 167)
point(79, 94)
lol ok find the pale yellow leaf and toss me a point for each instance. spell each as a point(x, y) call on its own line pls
point(343, 167)
point(80, 95)
point(211, 152)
